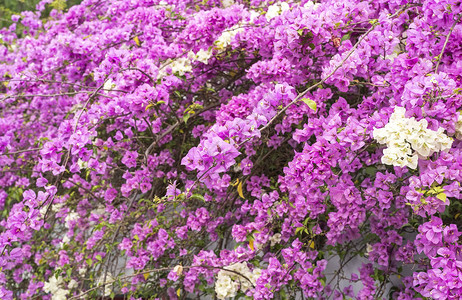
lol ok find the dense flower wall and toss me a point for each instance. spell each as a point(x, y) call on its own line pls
point(178, 148)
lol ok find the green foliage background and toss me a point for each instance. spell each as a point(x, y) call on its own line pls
point(15, 7)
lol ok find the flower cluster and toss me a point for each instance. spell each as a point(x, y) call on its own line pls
point(440, 244)
point(408, 139)
point(234, 278)
point(174, 149)
point(55, 287)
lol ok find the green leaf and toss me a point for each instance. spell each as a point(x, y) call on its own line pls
point(371, 171)
point(59, 4)
point(438, 189)
point(198, 197)
point(149, 106)
point(186, 118)
point(57, 272)
point(346, 36)
point(442, 197)
point(311, 104)
point(283, 294)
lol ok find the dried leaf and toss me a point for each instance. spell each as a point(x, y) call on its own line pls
point(239, 190)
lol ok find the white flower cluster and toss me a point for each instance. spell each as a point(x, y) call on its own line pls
point(227, 3)
point(275, 9)
point(202, 56)
point(311, 5)
point(183, 65)
point(227, 36)
point(54, 286)
point(408, 139)
point(108, 85)
point(229, 283)
point(179, 66)
point(275, 239)
point(107, 283)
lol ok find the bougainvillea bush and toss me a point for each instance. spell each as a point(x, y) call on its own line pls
point(184, 149)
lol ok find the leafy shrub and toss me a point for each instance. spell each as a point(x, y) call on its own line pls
point(170, 149)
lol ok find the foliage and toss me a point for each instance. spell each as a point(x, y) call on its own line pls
point(14, 7)
point(178, 148)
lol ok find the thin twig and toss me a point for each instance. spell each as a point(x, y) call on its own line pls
point(141, 71)
point(446, 43)
point(171, 128)
point(68, 152)
point(46, 95)
point(96, 92)
point(116, 233)
point(300, 96)
point(158, 270)
point(22, 151)
point(61, 82)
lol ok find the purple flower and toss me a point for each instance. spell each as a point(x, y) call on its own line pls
point(129, 159)
point(451, 233)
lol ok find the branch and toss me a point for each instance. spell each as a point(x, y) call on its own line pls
point(300, 96)
point(22, 151)
point(68, 152)
point(171, 128)
point(117, 233)
point(60, 82)
point(446, 42)
point(95, 93)
point(157, 270)
point(46, 95)
point(141, 71)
